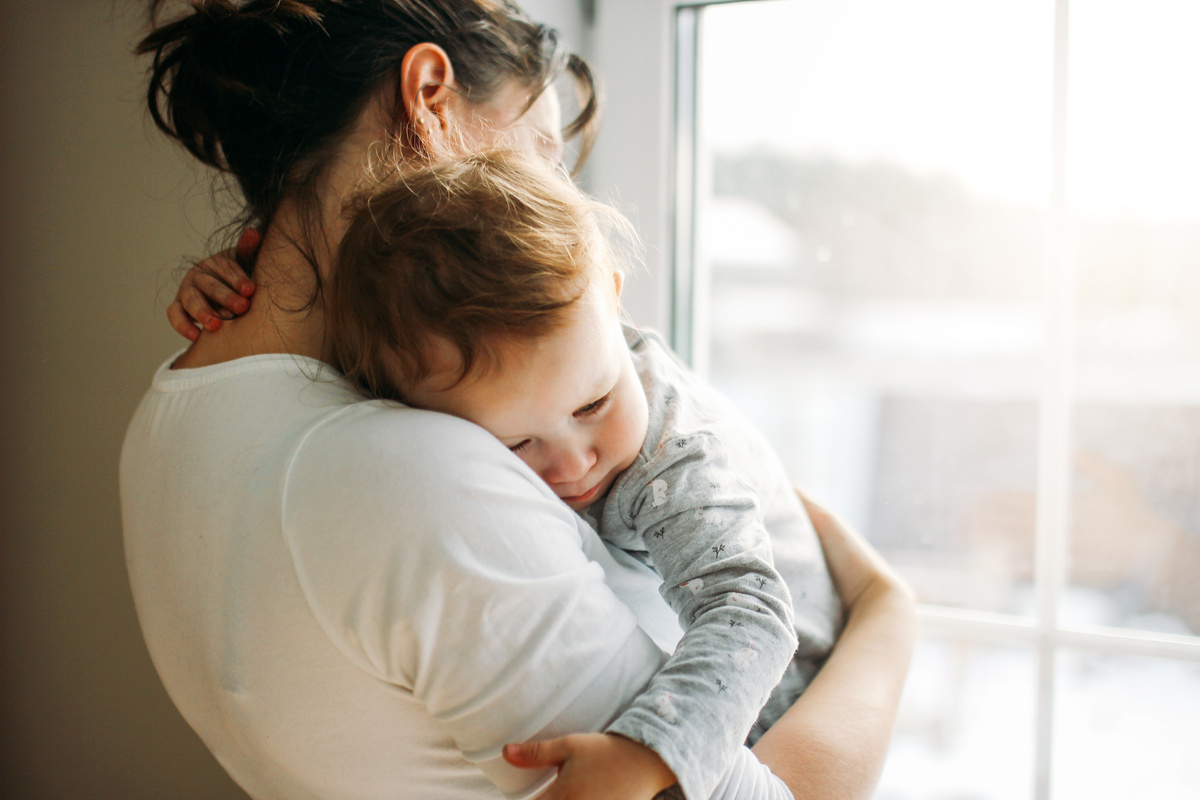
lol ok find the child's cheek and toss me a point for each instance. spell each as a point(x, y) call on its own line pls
point(637, 419)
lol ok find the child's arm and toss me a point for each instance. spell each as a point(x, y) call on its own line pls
point(702, 527)
point(834, 740)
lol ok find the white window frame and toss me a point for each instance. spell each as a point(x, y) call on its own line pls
point(644, 162)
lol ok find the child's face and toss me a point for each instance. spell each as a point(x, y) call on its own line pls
point(569, 404)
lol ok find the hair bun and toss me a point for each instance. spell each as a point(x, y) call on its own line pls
point(216, 72)
point(264, 90)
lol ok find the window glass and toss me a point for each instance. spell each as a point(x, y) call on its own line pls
point(1126, 726)
point(871, 206)
point(1134, 183)
point(966, 725)
point(870, 279)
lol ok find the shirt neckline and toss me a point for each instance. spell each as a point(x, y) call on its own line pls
point(167, 379)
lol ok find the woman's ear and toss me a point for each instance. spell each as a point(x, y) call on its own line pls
point(425, 85)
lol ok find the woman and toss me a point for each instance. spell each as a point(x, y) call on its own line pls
point(350, 600)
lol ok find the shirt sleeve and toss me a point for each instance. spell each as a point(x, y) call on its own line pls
point(703, 529)
point(438, 562)
point(435, 561)
point(747, 778)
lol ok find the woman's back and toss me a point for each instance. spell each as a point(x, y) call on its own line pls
point(333, 595)
point(224, 615)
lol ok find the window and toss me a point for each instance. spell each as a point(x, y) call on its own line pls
point(948, 256)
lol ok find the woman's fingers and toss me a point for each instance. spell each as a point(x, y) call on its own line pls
point(538, 754)
point(853, 562)
point(815, 511)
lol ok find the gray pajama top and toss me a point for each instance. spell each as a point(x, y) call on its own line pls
point(708, 505)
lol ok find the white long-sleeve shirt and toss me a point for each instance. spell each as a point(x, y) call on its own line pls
point(350, 600)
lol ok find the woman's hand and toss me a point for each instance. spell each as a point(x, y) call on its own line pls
point(855, 565)
point(594, 766)
point(216, 289)
point(832, 743)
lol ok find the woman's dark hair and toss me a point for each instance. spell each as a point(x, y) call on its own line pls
point(263, 90)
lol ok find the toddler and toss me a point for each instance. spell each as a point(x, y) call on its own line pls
point(488, 287)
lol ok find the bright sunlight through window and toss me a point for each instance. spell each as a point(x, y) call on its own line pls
point(947, 255)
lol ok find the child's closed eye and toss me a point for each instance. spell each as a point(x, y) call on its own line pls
point(592, 407)
point(519, 446)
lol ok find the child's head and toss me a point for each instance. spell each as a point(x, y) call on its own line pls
point(488, 288)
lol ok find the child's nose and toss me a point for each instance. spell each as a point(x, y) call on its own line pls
point(569, 464)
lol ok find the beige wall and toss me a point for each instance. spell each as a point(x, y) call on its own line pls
point(93, 224)
point(96, 210)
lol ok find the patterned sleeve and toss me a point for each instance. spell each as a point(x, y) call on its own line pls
point(703, 530)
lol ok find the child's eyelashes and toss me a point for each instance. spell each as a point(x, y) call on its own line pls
point(588, 410)
point(593, 407)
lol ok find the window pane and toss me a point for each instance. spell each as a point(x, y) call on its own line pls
point(1126, 727)
point(966, 725)
point(870, 251)
point(1135, 533)
point(1134, 178)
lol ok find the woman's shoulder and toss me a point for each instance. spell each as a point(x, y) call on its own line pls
point(289, 396)
point(439, 476)
point(394, 517)
point(390, 440)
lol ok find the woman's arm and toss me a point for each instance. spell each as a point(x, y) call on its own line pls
point(832, 743)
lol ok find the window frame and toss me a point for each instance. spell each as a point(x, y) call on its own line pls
point(645, 160)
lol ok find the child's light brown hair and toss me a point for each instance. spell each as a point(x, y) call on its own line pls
point(476, 251)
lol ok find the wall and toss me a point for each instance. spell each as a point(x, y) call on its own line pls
point(97, 211)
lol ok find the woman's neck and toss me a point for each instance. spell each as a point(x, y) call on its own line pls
point(285, 313)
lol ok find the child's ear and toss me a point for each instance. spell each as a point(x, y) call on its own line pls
point(618, 281)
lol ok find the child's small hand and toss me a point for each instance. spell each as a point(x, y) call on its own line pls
point(216, 289)
point(594, 766)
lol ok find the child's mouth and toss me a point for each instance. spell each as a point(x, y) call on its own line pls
point(581, 498)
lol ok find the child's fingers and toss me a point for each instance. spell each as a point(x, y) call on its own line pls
point(196, 305)
point(247, 248)
point(183, 324)
point(216, 289)
point(226, 265)
point(538, 755)
point(220, 295)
